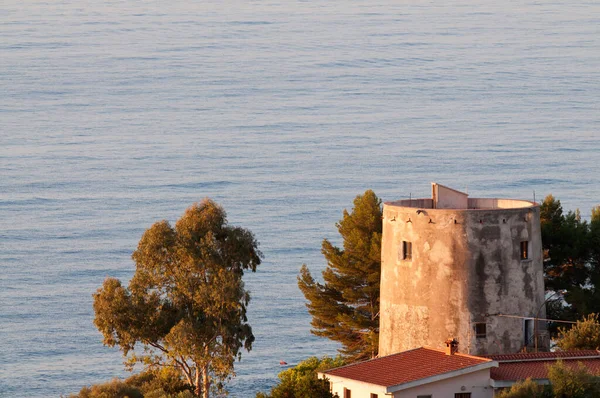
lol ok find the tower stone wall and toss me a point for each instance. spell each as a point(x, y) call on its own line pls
point(464, 268)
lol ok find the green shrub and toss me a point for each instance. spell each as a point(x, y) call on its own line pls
point(113, 389)
point(302, 380)
point(160, 383)
point(524, 389)
point(573, 382)
point(163, 382)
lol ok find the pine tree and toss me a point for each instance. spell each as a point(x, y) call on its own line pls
point(345, 308)
point(564, 239)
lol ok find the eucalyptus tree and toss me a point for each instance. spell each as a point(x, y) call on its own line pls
point(186, 303)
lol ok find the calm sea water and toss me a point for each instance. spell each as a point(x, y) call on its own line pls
point(116, 114)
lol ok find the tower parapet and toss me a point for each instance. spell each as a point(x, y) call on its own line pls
point(452, 264)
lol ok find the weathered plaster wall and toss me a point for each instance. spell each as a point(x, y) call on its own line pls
point(465, 264)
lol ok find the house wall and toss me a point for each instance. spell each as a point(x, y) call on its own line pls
point(477, 383)
point(357, 388)
point(465, 264)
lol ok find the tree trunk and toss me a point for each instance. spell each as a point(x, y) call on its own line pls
point(205, 382)
point(197, 389)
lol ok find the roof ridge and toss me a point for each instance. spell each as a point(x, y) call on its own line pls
point(544, 356)
point(460, 353)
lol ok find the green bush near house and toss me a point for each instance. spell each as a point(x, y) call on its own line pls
point(565, 382)
point(568, 382)
point(302, 380)
point(525, 389)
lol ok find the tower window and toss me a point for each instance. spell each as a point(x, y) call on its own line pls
point(528, 332)
point(480, 330)
point(524, 250)
point(406, 250)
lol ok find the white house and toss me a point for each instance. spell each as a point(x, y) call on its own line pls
point(417, 373)
point(433, 373)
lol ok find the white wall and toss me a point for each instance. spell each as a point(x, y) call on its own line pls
point(448, 198)
point(477, 383)
point(359, 389)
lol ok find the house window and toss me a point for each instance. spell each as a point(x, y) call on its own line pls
point(406, 250)
point(480, 330)
point(524, 250)
point(424, 396)
point(462, 395)
point(347, 393)
point(373, 395)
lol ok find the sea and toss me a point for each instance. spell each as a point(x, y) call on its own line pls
point(118, 114)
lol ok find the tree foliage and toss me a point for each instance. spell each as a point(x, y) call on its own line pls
point(113, 389)
point(154, 383)
point(525, 389)
point(565, 382)
point(186, 303)
point(302, 380)
point(585, 335)
point(564, 238)
point(573, 382)
point(571, 259)
point(345, 307)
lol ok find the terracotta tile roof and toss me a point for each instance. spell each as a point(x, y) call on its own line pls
point(520, 366)
point(407, 366)
point(543, 355)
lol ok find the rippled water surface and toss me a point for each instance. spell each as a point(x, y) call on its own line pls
point(114, 115)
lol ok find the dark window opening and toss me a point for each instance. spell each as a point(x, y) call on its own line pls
point(373, 395)
point(406, 250)
point(524, 250)
point(462, 395)
point(424, 396)
point(528, 332)
point(480, 330)
point(347, 393)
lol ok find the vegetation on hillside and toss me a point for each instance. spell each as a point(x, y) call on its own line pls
point(302, 380)
point(155, 383)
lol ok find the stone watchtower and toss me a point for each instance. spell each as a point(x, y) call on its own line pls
point(464, 268)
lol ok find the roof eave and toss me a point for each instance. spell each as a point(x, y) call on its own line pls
point(510, 383)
